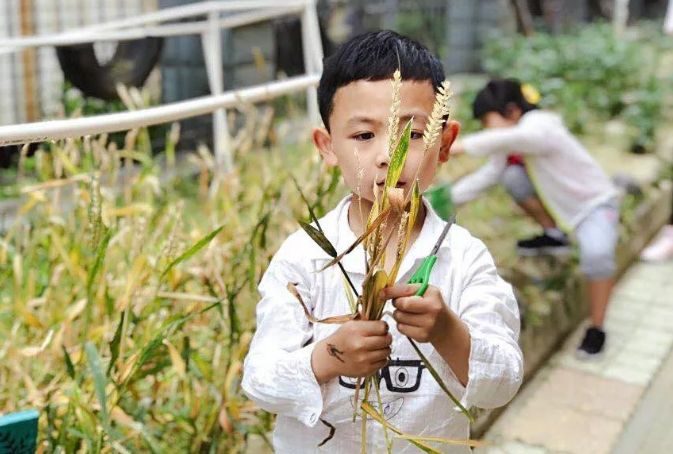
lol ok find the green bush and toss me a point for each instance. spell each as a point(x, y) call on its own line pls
point(591, 74)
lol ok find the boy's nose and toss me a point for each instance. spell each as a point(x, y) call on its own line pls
point(382, 157)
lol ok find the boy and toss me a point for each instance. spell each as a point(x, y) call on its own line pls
point(467, 322)
point(559, 183)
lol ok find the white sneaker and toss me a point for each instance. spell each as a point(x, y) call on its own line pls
point(661, 248)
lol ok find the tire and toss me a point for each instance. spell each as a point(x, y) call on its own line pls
point(7, 156)
point(130, 65)
point(289, 51)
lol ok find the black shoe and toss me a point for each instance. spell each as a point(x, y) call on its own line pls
point(592, 345)
point(543, 245)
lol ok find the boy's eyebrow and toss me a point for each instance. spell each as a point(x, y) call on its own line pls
point(420, 116)
point(363, 119)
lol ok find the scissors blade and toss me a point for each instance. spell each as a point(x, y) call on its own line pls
point(439, 242)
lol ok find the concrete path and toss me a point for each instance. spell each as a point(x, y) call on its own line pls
point(614, 405)
point(649, 430)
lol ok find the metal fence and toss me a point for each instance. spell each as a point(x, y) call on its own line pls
point(162, 24)
point(31, 81)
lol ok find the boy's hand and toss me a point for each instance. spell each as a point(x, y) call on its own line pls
point(423, 318)
point(428, 319)
point(357, 349)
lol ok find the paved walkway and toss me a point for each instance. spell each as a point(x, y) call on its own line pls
point(618, 405)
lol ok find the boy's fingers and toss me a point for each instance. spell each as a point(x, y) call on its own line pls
point(398, 291)
point(409, 318)
point(380, 364)
point(379, 355)
point(378, 342)
point(413, 304)
point(373, 327)
point(410, 331)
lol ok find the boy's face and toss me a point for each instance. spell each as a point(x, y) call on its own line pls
point(358, 140)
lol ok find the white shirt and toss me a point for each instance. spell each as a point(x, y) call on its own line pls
point(470, 186)
point(277, 371)
point(567, 178)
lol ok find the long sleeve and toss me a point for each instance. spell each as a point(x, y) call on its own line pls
point(489, 309)
point(530, 136)
point(277, 372)
point(470, 186)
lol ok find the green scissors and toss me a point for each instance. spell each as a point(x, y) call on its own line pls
point(422, 273)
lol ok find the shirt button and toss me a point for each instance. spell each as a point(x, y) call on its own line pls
point(313, 418)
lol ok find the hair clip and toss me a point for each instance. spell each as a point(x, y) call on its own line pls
point(530, 93)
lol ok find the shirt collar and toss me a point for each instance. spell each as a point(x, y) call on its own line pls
point(338, 231)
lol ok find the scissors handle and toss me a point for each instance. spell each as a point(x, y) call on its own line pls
point(422, 274)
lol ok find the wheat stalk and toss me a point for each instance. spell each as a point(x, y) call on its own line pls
point(394, 119)
point(440, 110)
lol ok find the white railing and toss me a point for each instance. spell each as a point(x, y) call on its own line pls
point(244, 12)
point(76, 127)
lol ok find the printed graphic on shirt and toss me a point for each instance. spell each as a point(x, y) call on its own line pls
point(399, 376)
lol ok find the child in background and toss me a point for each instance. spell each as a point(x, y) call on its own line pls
point(560, 186)
point(661, 248)
point(467, 321)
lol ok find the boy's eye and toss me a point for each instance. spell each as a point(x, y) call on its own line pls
point(415, 135)
point(364, 136)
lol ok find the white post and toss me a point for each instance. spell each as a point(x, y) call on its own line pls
point(620, 16)
point(314, 29)
point(212, 47)
point(308, 45)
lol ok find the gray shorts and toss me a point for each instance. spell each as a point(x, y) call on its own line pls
point(516, 181)
point(596, 235)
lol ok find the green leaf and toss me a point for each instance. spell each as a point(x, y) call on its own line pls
point(150, 440)
point(317, 223)
point(100, 257)
point(370, 230)
point(319, 238)
point(99, 380)
point(193, 250)
point(389, 444)
point(165, 332)
point(308, 205)
point(439, 381)
point(352, 302)
point(114, 344)
point(68, 362)
point(399, 157)
point(417, 441)
point(109, 304)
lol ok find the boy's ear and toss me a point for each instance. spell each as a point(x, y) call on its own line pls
point(323, 142)
point(449, 134)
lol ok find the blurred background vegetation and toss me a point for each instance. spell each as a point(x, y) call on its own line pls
point(128, 272)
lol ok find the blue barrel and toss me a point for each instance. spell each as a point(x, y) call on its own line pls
point(18, 432)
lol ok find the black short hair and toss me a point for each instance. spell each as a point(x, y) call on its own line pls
point(375, 56)
point(497, 95)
